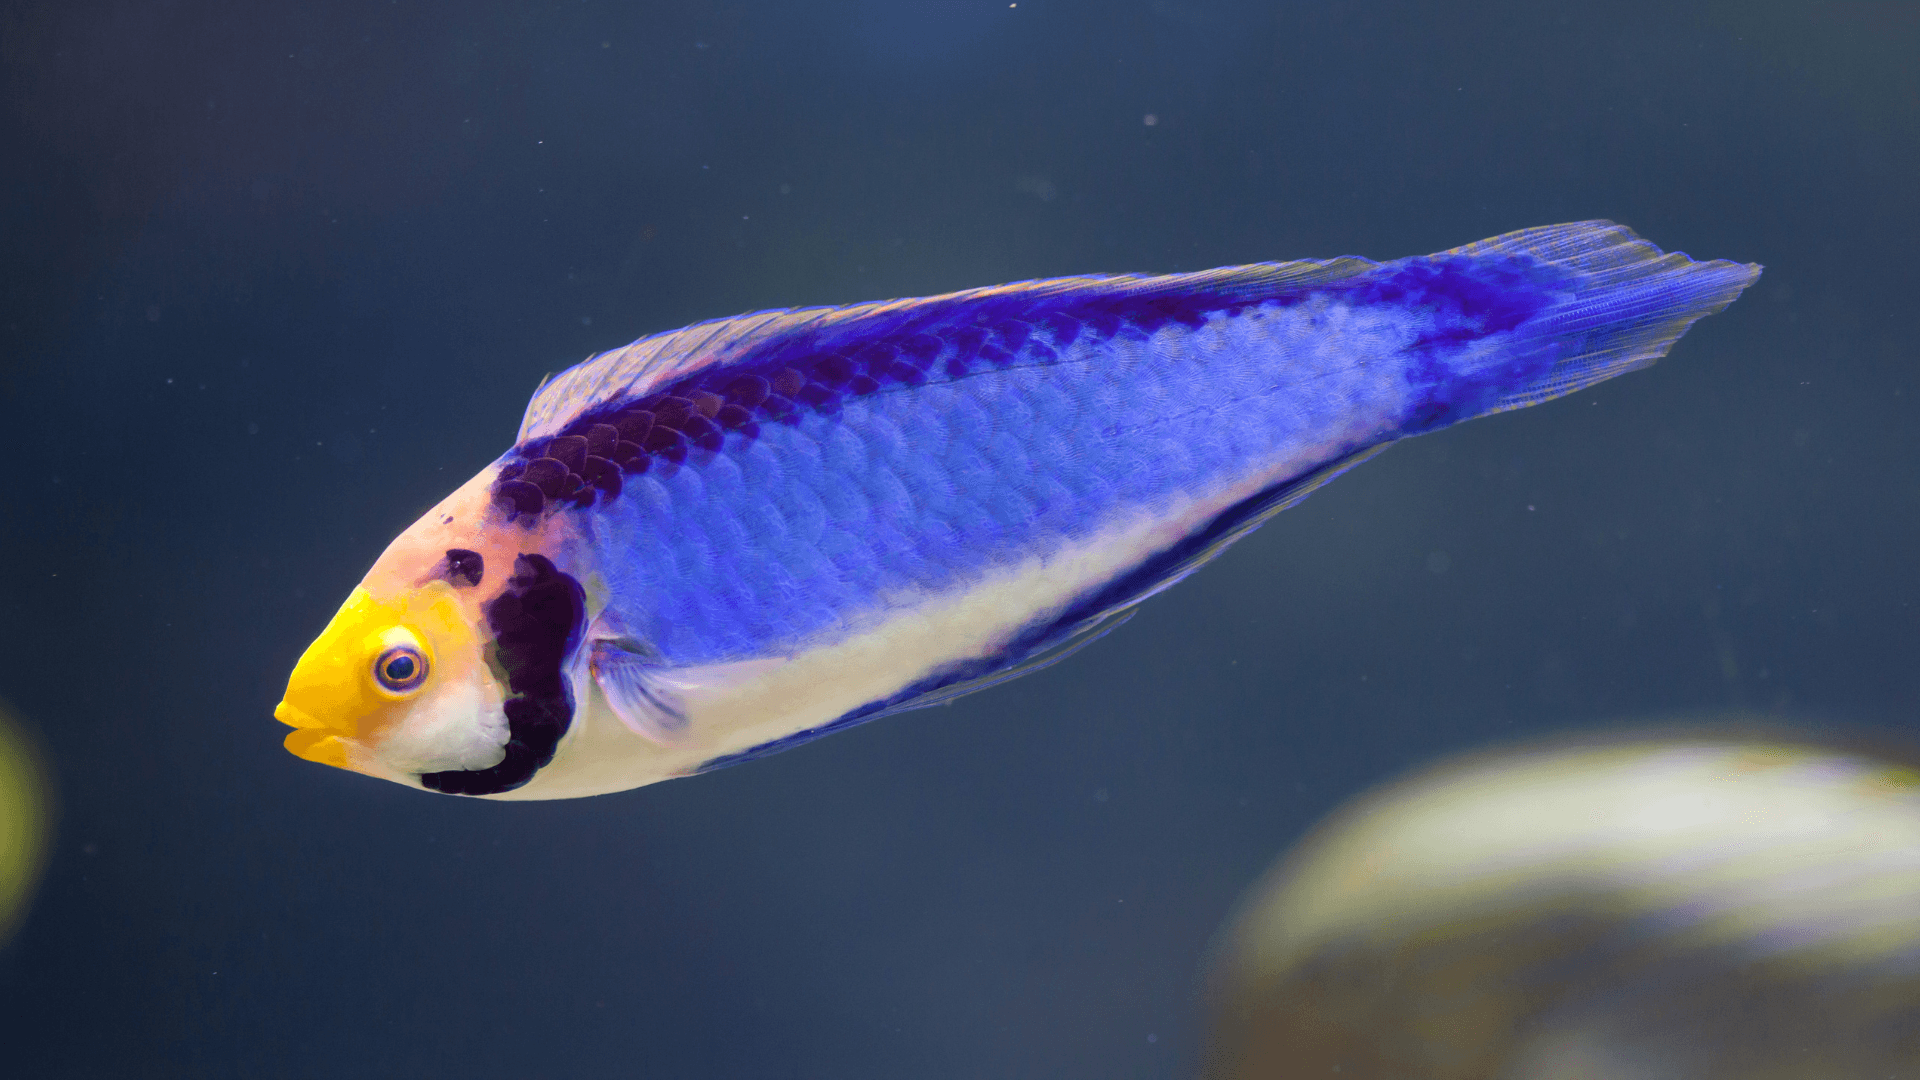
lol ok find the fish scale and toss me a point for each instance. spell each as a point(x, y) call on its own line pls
point(1033, 472)
point(774, 526)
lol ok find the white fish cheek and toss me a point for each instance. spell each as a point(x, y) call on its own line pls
point(462, 726)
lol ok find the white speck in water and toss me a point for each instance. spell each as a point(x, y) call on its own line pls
point(1150, 120)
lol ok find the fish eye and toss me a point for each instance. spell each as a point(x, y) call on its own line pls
point(401, 669)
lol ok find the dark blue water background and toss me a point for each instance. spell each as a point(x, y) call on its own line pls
point(277, 276)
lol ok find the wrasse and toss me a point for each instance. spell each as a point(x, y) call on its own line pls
point(723, 541)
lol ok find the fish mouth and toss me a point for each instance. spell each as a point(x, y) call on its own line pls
point(292, 717)
point(312, 739)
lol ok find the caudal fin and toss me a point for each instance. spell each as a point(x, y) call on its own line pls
point(1630, 302)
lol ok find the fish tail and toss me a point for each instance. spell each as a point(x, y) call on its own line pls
point(1625, 302)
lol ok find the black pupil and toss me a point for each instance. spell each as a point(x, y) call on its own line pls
point(400, 668)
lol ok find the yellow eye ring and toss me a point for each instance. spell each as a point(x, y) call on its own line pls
point(401, 669)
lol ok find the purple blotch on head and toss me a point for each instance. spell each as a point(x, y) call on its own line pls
point(535, 623)
point(462, 568)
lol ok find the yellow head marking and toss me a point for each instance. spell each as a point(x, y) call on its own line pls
point(360, 676)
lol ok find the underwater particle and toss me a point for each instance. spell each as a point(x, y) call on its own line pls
point(1699, 906)
point(25, 821)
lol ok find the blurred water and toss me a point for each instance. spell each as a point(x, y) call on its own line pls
point(279, 276)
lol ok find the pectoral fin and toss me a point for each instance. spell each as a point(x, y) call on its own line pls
point(638, 694)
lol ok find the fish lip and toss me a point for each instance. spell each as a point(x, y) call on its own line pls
point(292, 717)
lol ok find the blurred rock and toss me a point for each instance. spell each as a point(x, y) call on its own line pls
point(25, 817)
point(1681, 906)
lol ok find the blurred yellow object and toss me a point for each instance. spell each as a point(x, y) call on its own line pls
point(1678, 906)
point(25, 819)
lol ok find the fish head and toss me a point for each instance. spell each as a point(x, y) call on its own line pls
point(399, 684)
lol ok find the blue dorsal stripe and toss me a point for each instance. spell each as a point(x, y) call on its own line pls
point(821, 363)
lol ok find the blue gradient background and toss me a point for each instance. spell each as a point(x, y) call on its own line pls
point(278, 276)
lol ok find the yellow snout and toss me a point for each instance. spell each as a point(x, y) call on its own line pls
point(342, 697)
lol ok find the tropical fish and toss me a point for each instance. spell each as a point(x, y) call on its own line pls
point(730, 539)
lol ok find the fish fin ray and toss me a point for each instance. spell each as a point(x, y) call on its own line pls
point(1630, 302)
point(645, 703)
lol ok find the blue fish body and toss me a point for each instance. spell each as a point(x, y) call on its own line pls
point(788, 522)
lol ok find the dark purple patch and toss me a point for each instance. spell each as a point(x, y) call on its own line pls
point(568, 450)
point(630, 456)
point(601, 439)
point(1063, 327)
point(920, 349)
point(535, 622)
point(633, 425)
point(547, 474)
point(672, 411)
point(817, 371)
point(461, 568)
point(780, 408)
point(602, 474)
point(876, 359)
point(815, 395)
point(518, 497)
point(748, 391)
point(1103, 322)
point(664, 442)
point(833, 370)
point(703, 433)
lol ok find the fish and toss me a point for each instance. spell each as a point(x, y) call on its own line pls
point(727, 540)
